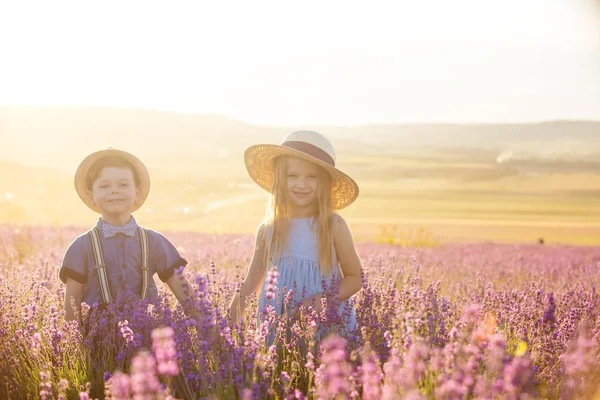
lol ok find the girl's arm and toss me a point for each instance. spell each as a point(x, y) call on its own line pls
point(253, 279)
point(73, 293)
point(349, 264)
point(348, 259)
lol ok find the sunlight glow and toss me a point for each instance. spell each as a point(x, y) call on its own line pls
point(275, 63)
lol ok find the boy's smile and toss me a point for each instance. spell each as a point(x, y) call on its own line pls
point(115, 193)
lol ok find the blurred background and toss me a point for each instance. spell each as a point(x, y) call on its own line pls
point(461, 120)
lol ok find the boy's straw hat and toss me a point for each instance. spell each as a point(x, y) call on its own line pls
point(81, 176)
point(307, 145)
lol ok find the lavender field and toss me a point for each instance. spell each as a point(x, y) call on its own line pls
point(480, 321)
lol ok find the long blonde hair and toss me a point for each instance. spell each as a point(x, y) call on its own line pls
point(278, 214)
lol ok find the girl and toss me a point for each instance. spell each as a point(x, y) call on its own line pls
point(301, 235)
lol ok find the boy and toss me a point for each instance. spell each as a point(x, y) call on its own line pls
point(117, 255)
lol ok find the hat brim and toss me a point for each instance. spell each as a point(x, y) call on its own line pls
point(259, 160)
point(83, 170)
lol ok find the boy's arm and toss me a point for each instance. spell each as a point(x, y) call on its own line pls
point(73, 293)
point(253, 279)
point(182, 289)
point(169, 262)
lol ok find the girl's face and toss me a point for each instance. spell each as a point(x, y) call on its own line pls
point(302, 183)
point(114, 192)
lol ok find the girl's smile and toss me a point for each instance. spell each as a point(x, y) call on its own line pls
point(302, 185)
point(299, 194)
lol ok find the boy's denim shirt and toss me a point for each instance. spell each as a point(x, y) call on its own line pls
point(123, 258)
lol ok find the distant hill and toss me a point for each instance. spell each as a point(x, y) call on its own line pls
point(435, 175)
point(60, 136)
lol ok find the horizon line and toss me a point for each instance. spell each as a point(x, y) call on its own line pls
point(533, 121)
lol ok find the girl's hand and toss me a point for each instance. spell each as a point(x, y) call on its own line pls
point(314, 302)
point(348, 259)
point(236, 310)
point(253, 280)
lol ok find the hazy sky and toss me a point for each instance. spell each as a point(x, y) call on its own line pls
point(309, 62)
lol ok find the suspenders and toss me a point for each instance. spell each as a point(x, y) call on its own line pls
point(145, 256)
point(101, 265)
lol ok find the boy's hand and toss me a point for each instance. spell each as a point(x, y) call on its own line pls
point(182, 290)
point(73, 299)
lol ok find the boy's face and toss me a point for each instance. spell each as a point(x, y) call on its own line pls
point(302, 182)
point(114, 192)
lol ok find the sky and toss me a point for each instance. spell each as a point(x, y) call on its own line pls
point(311, 62)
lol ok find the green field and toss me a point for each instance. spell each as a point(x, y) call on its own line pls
point(420, 199)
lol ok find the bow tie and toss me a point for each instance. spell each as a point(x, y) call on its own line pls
point(111, 230)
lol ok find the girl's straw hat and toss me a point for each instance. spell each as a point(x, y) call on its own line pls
point(82, 173)
point(307, 145)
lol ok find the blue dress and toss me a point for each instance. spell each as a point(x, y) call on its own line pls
point(298, 269)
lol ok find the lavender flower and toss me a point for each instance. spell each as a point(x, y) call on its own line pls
point(333, 373)
point(143, 376)
point(271, 283)
point(45, 386)
point(163, 345)
point(126, 331)
point(371, 375)
point(519, 332)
